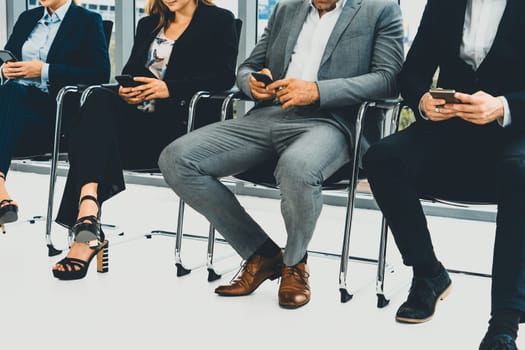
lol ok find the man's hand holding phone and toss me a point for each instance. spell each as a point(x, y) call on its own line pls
point(258, 88)
point(436, 102)
point(479, 108)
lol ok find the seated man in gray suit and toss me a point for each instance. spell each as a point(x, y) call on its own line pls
point(326, 57)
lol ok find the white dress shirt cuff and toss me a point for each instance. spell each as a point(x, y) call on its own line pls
point(506, 120)
point(420, 111)
point(44, 74)
point(2, 80)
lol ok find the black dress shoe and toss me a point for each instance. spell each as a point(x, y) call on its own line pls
point(423, 297)
point(498, 342)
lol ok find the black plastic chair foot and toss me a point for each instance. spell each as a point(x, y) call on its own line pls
point(382, 301)
point(35, 218)
point(148, 236)
point(213, 276)
point(52, 251)
point(345, 295)
point(181, 270)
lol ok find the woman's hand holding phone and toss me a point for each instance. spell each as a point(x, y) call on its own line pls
point(145, 89)
point(22, 70)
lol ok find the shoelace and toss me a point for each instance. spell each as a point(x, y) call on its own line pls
point(244, 265)
point(295, 271)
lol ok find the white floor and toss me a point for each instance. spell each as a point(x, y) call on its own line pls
point(141, 304)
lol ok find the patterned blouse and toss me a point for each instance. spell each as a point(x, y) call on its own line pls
point(158, 57)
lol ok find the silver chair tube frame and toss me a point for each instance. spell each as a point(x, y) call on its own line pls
point(343, 270)
point(382, 301)
point(52, 251)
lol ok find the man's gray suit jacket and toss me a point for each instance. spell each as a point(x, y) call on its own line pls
point(361, 61)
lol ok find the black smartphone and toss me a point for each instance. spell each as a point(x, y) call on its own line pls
point(7, 56)
point(444, 94)
point(262, 78)
point(126, 80)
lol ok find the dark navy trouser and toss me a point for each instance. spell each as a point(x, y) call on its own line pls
point(20, 107)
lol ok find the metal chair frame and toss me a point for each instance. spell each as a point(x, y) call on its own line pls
point(86, 91)
point(228, 98)
point(66, 90)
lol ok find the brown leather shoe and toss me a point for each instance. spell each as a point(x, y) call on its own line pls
point(294, 290)
point(254, 271)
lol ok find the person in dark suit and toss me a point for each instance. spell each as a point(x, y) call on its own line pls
point(471, 151)
point(56, 45)
point(180, 48)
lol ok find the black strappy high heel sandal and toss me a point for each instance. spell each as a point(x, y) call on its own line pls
point(8, 211)
point(87, 230)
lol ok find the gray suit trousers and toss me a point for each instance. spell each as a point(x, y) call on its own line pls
point(309, 149)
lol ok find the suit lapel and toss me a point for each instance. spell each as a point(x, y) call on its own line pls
point(27, 28)
point(295, 28)
point(349, 11)
point(64, 30)
point(186, 38)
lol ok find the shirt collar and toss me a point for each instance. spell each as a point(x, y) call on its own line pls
point(58, 15)
point(339, 4)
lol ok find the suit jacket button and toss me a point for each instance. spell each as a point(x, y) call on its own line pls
point(182, 103)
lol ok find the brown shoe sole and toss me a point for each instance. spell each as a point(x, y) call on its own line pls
point(443, 295)
point(293, 306)
point(230, 294)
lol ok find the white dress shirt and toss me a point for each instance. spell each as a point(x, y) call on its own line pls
point(479, 31)
point(311, 43)
point(39, 42)
point(482, 19)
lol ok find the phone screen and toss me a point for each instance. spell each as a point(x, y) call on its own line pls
point(262, 78)
point(6, 56)
point(127, 81)
point(444, 94)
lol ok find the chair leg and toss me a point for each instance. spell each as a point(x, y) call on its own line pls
point(382, 301)
point(212, 274)
point(52, 251)
point(345, 294)
point(181, 270)
point(343, 290)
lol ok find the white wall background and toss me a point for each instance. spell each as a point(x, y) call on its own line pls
point(3, 23)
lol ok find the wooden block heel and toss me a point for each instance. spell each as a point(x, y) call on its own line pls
point(103, 259)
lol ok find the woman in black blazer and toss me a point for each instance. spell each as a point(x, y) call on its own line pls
point(56, 45)
point(180, 48)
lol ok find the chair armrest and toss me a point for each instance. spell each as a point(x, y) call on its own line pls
point(386, 103)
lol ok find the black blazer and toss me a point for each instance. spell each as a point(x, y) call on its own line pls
point(203, 58)
point(79, 53)
point(437, 44)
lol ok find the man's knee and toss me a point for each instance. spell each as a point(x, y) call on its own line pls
point(297, 172)
point(173, 161)
point(14, 93)
point(374, 157)
point(511, 172)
